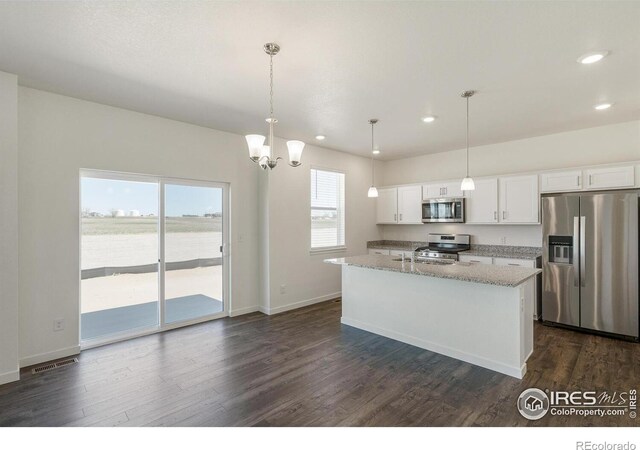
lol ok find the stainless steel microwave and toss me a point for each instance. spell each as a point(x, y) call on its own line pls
point(443, 210)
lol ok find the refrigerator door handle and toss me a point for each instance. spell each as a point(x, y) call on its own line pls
point(576, 264)
point(583, 248)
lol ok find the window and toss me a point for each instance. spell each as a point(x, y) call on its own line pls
point(327, 209)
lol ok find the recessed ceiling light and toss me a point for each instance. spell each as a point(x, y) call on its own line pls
point(376, 152)
point(591, 58)
point(603, 106)
point(320, 137)
point(428, 119)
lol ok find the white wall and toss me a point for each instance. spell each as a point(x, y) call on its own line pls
point(306, 277)
point(59, 136)
point(591, 146)
point(8, 228)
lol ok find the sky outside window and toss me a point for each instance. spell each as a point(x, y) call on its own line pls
point(102, 196)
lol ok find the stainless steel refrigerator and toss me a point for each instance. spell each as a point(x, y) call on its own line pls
point(590, 261)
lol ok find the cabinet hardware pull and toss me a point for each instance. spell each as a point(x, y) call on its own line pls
point(495, 215)
point(590, 182)
point(578, 180)
point(400, 217)
point(511, 264)
point(504, 213)
point(395, 217)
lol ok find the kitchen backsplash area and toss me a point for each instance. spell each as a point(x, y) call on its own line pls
point(513, 235)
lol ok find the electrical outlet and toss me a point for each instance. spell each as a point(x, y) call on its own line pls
point(58, 325)
point(283, 289)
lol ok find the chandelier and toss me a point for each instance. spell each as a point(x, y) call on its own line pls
point(259, 153)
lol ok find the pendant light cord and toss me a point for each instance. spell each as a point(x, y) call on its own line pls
point(372, 148)
point(467, 137)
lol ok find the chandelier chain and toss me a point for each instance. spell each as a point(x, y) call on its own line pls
point(271, 85)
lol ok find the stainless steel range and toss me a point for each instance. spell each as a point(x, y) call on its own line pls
point(443, 248)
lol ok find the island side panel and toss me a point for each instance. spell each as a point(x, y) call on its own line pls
point(478, 323)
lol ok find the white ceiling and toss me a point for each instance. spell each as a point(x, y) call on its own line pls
point(341, 63)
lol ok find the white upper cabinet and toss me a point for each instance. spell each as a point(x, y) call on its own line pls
point(561, 181)
point(443, 189)
point(410, 204)
point(610, 177)
point(387, 205)
point(519, 199)
point(482, 203)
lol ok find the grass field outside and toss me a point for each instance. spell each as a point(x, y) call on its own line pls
point(143, 225)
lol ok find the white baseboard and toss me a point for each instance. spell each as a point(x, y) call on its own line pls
point(49, 356)
point(241, 311)
point(300, 304)
point(517, 372)
point(9, 377)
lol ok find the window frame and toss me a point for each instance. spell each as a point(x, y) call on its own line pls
point(334, 248)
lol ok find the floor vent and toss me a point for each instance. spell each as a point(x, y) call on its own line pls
point(55, 365)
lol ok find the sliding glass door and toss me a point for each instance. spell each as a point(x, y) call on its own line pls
point(151, 254)
point(193, 230)
point(119, 256)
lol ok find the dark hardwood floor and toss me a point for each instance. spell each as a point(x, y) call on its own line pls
point(303, 368)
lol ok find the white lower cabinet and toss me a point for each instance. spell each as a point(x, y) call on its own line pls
point(514, 262)
point(378, 251)
point(531, 263)
point(476, 259)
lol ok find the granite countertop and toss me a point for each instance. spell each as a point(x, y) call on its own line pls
point(504, 251)
point(493, 251)
point(507, 276)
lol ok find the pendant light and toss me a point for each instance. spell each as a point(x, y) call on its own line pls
point(263, 154)
point(373, 192)
point(467, 183)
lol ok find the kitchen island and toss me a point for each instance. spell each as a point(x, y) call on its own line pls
point(480, 314)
